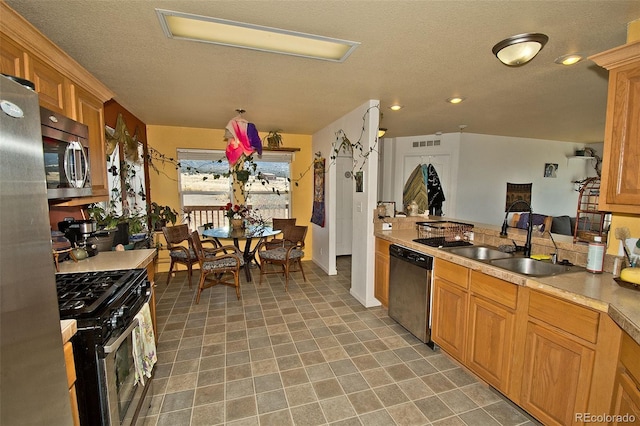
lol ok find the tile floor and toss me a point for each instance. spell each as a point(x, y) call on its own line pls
point(309, 356)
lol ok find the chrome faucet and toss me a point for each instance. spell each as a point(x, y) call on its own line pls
point(503, 232)
point(554, 257)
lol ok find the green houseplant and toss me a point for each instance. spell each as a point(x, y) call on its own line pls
point(159, 216)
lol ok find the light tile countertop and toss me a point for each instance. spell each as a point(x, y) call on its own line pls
point(110, 261)
point(596, 291)
point(103, 261)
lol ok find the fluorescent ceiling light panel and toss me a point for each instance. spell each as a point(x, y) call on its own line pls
point(255, 37)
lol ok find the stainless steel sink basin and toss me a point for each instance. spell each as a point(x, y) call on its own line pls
point(479, 253)
point(532, 267)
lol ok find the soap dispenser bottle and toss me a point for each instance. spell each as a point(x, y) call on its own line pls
point(595, 255)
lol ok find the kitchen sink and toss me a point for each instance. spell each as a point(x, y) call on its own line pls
point(479, 253)
point(532, 267)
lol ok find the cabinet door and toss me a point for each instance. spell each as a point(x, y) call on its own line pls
point(626, 399)
point(90, 111)
point(52, 87)
point(556, 377)
point(381, 289)
point(11, 58)
point(491, 328)
point(620, 177)
point(449, 317)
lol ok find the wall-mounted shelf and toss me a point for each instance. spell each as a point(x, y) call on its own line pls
point(264, 148)
point(579, 157)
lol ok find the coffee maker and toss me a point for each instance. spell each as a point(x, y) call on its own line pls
point(79, 233)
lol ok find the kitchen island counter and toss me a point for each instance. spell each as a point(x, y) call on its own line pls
point(596, 291)
point(110, 261)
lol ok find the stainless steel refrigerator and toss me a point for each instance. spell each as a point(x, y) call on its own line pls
point(33, 382)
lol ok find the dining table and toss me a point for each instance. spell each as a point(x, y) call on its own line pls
point(249, 234)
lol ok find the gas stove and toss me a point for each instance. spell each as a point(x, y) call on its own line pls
point(105, 305)
point(102, 299)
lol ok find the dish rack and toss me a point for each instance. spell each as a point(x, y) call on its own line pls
point(444, 233)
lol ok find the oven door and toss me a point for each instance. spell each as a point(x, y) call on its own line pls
point(124, 399)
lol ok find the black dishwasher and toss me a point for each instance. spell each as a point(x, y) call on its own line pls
point(410, 275)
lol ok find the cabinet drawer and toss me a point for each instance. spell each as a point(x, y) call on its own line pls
point(71, 367)
point(494, 289)
point(579, 321)
point(629, 356)
point(382, 246)
point(455, 274)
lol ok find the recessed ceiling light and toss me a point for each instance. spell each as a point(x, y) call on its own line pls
point(455, 100)
point(571, 59)
point(223, 32)
point(395, 107)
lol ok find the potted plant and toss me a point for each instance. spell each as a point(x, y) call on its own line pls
point(274, 139)
point(161, 215)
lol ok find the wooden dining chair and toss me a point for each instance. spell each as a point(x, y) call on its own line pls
point(180, 252)
point(282, 256)
point(176, 236)
point(216, 264)
point(281, 224)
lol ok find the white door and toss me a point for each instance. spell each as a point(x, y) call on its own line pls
point(440, 163)
point(345, 185)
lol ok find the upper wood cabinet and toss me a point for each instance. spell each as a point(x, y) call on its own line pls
point(11, 58)
point(63, 85)
point(51, 85)
point(90, 111)
point(620, 189)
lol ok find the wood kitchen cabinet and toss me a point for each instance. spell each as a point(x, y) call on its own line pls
point(621, 158)
point(11, 58)
point(450, 305)
point(89, 110)
point(52, 86)
point(491, 328)
point(71, 381)
point(559, 356)
point(381, 286)
point(63, 85)
point(626, 398)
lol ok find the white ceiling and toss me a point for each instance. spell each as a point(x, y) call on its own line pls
point(415, 53)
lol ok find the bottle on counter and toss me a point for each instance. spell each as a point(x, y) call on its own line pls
point(595, 255)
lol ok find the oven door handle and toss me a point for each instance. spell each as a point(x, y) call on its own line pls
point(115, 343)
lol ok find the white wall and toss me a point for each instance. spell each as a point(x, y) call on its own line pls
point(481, 166)
point(364, 203)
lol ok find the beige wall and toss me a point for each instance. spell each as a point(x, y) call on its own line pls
point(164, 183)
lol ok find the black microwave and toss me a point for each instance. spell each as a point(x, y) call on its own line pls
point(66, 156)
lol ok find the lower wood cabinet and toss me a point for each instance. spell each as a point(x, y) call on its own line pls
point(626, 398)
point(491, 328)
point(381, 279)
point(450, 306)
point(71, 381)
point(554, 358)
point(556, 376)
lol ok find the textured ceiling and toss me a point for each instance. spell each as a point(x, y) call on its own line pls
point(415, 53)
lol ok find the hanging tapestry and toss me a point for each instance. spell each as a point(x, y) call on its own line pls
point(518, 191)
point(415, 190)
point(317, 216)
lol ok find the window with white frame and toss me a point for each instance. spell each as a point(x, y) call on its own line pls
point(204, 190)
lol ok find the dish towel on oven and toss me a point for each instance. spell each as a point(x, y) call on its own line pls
point(144, 345)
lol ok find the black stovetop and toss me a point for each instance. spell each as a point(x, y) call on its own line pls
point(85, 293)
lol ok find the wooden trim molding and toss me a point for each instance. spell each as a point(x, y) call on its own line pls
point(618, 56)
